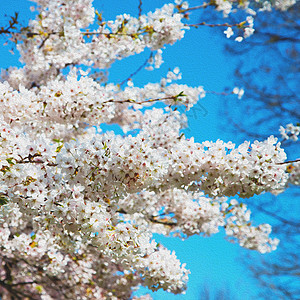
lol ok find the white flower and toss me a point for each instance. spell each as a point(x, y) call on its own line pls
point(229, 32)
point(239, 39)
point(239, 92)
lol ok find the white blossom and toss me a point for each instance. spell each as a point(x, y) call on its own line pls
point(78, 206)
point(229, 32)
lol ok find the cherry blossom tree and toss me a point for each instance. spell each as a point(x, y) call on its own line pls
point(79, 206)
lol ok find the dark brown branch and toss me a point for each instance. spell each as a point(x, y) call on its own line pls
point(30, 159)
point(289, 162)
point(24, 283)
point(141, 102)
point(166, 221)
point(140, 7)
point(12, 23)
point(155, 219)
point(238, 25)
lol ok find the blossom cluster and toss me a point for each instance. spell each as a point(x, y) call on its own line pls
point(79, 206)
point(91, 185)
point(57, 39)
point(178, 212)
point(229, 6)
point(250, 237)
point(290, 132)
point(62, 109)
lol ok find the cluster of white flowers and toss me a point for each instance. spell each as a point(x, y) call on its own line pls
point(57, 39)
point(239, 92)
point(78, 207)
point(290, 132)
point(63, 108)
point(238, 225)
point(182, 213)
point(84, 185)
point(278, 4)
point(155, 61)
point(248, 30)
point(230, 6)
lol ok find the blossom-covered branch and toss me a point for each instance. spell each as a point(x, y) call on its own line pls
point(78, 207)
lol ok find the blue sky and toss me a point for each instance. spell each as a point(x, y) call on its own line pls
point(213, 261)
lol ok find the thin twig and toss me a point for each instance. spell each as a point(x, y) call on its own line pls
point(239, 25)
point(204, 5)
point(141, 102)
point(137, 70)
point(140, 7)
point(289, 162)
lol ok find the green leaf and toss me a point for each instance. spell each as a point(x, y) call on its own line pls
point(3, 200)
point(39, 288)
point(10, 161)
point(58, 140)
point(181, 94)
point(5, 169)
point(59, 148)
